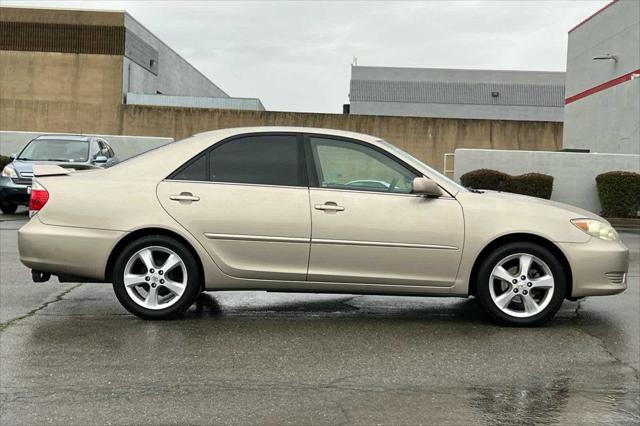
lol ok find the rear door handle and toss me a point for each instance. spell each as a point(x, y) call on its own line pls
point(184, 197)
point(329, 206)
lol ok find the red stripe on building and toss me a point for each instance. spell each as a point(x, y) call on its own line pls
point(601, 87)
point(589, 18)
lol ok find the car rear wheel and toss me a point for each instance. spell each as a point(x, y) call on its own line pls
point(521, 284)
point(8, 208)
point(156, 277)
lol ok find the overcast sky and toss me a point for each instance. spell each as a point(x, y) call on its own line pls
point(296, 56)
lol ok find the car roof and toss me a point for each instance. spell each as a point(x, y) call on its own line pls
point(65, 137)
point(288, 129)
point(160, 162)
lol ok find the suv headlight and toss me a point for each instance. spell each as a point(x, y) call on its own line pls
point(9, 171)
point(597, 229)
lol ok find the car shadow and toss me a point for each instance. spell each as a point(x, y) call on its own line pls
point(271, 306)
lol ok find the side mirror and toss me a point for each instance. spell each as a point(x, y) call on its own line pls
point(13, 157)
point(100, 159)
point(426, 187)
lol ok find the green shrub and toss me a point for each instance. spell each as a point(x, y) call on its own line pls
point(484, 179)
point(4, 161)
point(532, 184)
point(619, 193)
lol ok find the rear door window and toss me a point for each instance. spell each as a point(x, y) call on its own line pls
point(261, 159)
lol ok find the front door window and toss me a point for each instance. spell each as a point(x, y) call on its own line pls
point(349, 165)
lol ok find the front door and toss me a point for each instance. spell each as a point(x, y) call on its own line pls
point(247, 202)
point(367, 227)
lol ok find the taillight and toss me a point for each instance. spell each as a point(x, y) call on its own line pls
point(39, 198)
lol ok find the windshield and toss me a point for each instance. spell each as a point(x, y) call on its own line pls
point(56, 150)
point(406, 156)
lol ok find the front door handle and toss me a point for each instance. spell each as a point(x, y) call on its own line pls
point(184, 197)
point(329, 206)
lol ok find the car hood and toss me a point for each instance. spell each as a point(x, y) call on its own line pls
point(541, 202)
point(27, 166)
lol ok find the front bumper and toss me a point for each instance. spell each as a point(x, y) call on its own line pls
point(65, 250)
point(598, 267)
point(13, 193)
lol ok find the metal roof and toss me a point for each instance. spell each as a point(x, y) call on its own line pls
point(471, 87)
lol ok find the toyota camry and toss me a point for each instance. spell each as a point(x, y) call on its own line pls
point(310, 210)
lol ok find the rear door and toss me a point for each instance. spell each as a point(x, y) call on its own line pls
point(247, 201)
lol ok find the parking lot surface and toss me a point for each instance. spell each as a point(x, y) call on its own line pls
point(70, 354)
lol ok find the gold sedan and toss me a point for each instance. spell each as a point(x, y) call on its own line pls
point(310, 210)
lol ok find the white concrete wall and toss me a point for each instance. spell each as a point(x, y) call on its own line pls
point(574, 173)
point(123, 146)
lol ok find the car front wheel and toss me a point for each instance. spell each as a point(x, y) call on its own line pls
point(521, 284)
point(156, 277)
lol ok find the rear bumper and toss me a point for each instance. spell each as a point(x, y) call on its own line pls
point(13, 193)
point(64, 250)
point(598, 267)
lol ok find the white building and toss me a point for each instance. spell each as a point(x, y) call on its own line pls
point(602, 111)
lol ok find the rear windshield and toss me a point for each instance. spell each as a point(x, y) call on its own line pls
point(56, 150)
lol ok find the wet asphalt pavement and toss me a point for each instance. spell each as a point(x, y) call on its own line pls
point(71, 355)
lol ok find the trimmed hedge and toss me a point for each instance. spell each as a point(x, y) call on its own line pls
point(619, 193)
point(532, 184)
point(4, 161)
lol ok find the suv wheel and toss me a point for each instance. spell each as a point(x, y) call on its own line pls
point(521, 284)
point(156, 277)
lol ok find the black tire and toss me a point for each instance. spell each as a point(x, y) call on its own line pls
point(494, 258)
point(193, 281)
point(8, 208)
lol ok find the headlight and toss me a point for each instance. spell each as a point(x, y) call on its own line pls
point(597, 229)
point(9, 171)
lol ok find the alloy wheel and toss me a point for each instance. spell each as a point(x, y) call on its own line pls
point(155, 277)
point(521, 285)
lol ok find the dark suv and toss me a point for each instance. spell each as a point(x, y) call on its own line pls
point(69, 151)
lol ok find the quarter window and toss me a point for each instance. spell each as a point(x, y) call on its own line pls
point(196, 170)
point(264, 159)
point(349, 165)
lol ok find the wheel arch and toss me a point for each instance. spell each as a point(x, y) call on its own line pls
point(520, 238)
point(145, 232)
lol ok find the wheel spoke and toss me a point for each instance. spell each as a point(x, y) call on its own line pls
point(174, 287)
point(543, 282)
point(147, 258)
point(131, 280)
point(171, 262)
point(525, 264)
point(152, 298)
point(503, 274)
point(530, 305)
point(504, 299)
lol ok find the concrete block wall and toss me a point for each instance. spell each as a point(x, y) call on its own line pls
point(124, 146)
point(574, 173)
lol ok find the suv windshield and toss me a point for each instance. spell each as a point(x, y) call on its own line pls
point(56, 150)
